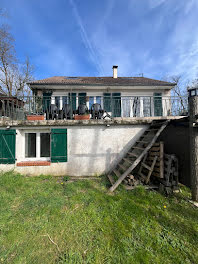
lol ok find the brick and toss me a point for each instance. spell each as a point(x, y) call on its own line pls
point(33, 163)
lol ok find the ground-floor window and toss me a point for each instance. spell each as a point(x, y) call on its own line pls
point(37, 145)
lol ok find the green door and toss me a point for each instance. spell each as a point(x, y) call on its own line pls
point(157, 104)
point(116, 104)
point(82, 98)
point(7, 146)
point(58, 145)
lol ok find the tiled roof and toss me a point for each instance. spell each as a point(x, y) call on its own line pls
point(134, 81)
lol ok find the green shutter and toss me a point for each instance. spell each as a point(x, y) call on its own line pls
point(58, 145)
point(7, 146)
point(116, 104)
point(46, 101)
point(82, 98)
point(107, 102)
point(72, 100)
point(157, 104)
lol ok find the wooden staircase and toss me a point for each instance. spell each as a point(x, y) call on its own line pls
point(135, 154)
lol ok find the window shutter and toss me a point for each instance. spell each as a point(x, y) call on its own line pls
point(82, 98)
point(7, 146)
point(116, 104)
point(58, 145)
point(157, 104)
point(107, 102)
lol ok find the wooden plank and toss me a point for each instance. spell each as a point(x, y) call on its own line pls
point(153, 149)
point(111, 179)
point(122, 167)
point(161, 159)
point(152, 158)
point(145, 166)
point(127, 160)
point(137, 147)
point(156, 174)
point(154, 153)
point(117, 173)
point(142, 175)
point(151, 170)
point(157, 170)
point(137, 161)
point(143, 142)
point(133, 154)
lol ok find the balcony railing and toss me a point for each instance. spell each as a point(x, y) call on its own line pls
point(66, 107)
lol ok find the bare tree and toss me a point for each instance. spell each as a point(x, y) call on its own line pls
point(13, 75)
point(179, 94)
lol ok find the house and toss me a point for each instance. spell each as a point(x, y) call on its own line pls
point(59, 145)
point(119, 96)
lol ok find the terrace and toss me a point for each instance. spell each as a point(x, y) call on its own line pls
point(92, 107)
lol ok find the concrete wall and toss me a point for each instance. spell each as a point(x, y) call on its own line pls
point(92, 150)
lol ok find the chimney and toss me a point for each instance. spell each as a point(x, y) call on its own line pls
point(115, 71)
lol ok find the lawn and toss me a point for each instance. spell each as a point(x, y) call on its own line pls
point(43, 220)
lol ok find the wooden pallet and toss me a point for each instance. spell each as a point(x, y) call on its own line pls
point(146, 170)
point(135, 154)
point(157, 150)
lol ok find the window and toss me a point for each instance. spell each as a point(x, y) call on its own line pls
point(64, 100)
point(91, 101)
point(98, 100)
point(57, 101)
point(30, 145)
point(44, 145)
point(37, 145)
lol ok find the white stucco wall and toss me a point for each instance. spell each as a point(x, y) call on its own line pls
point(92, 150)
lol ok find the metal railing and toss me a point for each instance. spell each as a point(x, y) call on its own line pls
point(66, 107)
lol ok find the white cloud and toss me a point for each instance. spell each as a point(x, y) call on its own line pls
point(85, 38)
point(155, 3)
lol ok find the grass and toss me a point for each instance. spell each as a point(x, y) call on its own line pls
point(44, 221)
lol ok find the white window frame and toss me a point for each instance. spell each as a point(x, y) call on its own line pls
point(38, 147)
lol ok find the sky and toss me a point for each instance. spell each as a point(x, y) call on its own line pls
point(156, 38)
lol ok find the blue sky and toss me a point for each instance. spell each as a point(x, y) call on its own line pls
point(86, 37)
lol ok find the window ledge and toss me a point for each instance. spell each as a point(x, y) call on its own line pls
point(33, 163)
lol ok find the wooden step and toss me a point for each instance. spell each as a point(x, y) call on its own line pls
point(133, 154)
point(142, 175)
point(143, 142)
point(137, 148)
point(111, 179)
point(127, 160)
point(145, 166)
point(139, 157)
point(117, 173)
point(122, 167)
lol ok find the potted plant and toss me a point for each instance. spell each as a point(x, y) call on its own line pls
point(83, 113)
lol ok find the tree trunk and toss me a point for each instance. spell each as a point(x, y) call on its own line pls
point(193, 109)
